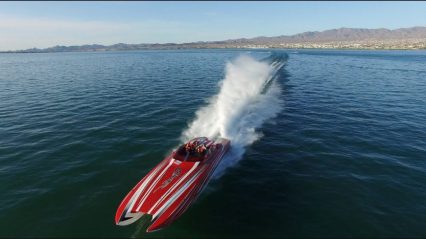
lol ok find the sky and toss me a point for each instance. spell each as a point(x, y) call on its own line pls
point(44, 24)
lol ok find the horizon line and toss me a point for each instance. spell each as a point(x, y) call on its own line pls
point(207, 41)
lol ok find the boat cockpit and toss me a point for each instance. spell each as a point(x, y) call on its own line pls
point(193, 151)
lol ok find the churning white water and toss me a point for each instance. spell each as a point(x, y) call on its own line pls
point(248, 96)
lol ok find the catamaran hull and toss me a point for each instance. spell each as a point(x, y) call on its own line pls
point(170, 188)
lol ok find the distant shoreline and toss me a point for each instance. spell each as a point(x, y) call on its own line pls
point(239, 48)
point(413, 38)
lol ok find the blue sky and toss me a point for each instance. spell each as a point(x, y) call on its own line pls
point(44, 24)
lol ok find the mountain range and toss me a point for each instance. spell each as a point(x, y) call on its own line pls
point(402, 38)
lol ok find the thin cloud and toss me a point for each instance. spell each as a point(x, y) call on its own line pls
point(26, 32)
point(39, 24)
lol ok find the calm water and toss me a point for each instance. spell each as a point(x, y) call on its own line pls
point(344, 157)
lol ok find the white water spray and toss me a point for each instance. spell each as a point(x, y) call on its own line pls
point(248, 96)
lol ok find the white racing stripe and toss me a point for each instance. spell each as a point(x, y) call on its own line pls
point(133, 199)
point(176, 195)
point(174, 187)
point(153, 184)
point(140, 189)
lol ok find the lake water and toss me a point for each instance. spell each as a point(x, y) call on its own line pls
point(337, 141)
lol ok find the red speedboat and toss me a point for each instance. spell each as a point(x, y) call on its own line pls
point(170, 188)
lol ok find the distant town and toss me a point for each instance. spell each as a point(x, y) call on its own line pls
point(408, 44)
point(342, 38)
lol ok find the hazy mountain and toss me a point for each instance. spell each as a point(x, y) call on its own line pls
point(341, 34)
point(333, 35)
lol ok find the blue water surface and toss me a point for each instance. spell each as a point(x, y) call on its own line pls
point(345, 156)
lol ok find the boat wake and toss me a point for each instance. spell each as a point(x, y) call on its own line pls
point(248, 96)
